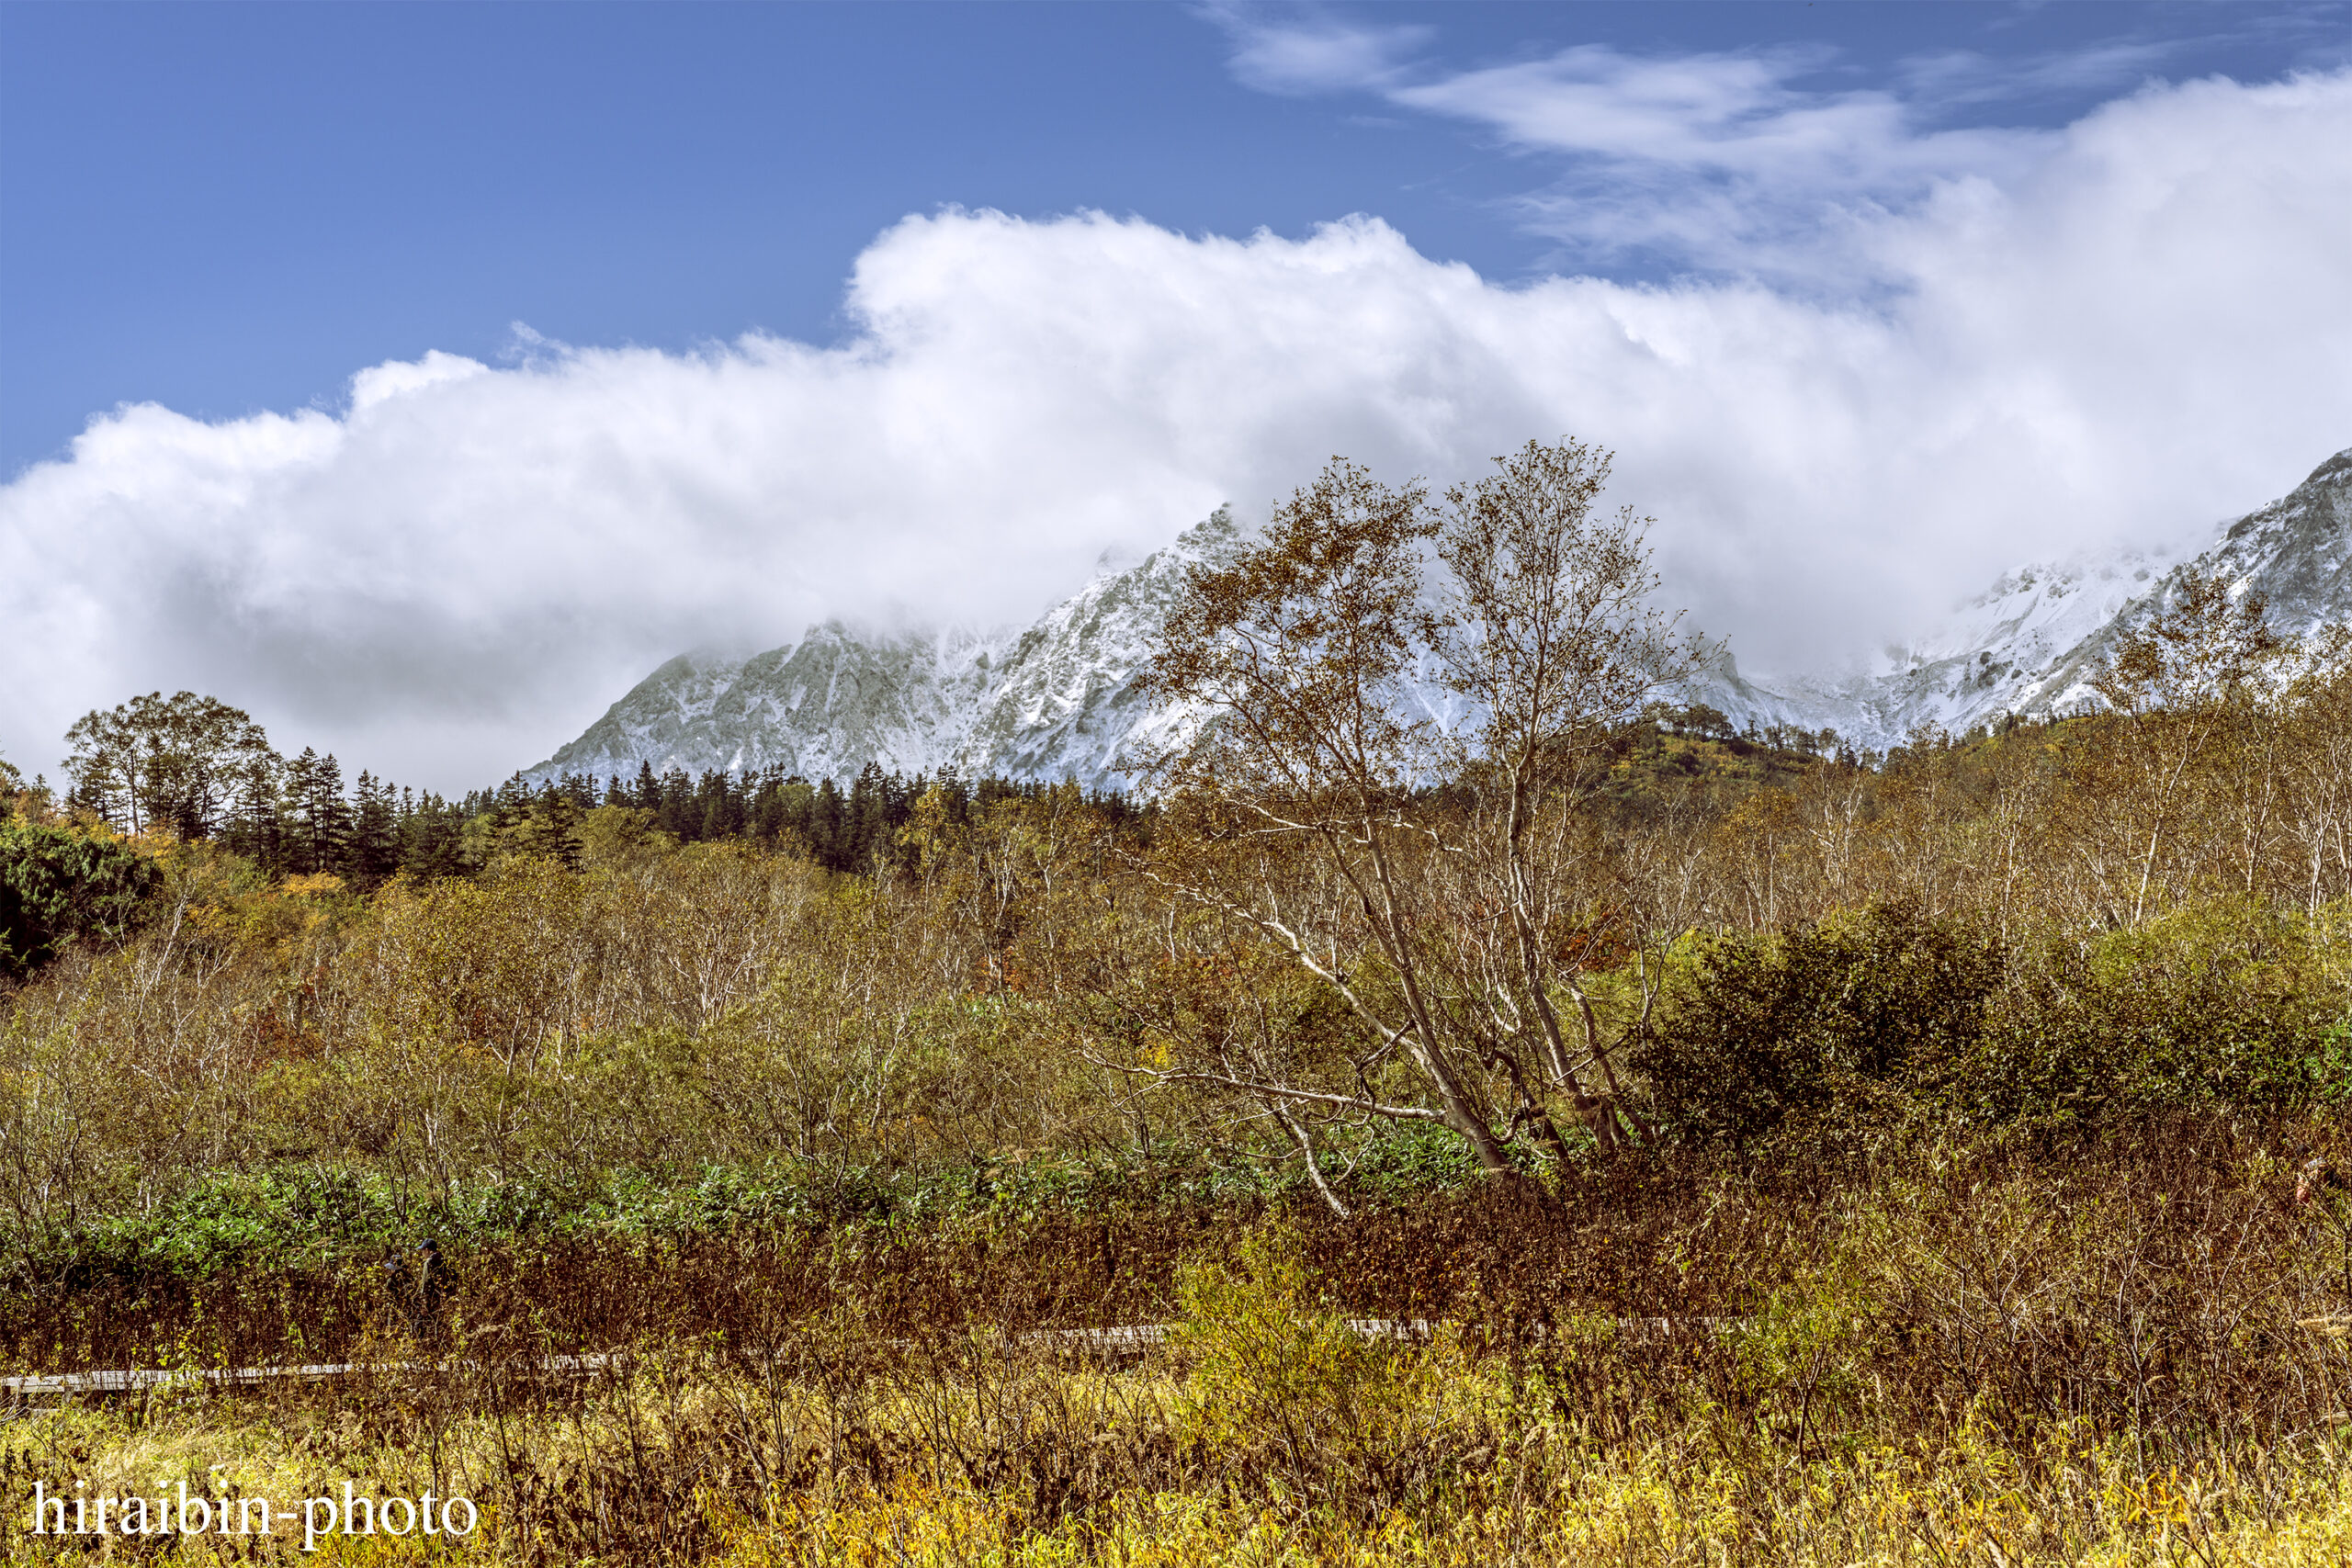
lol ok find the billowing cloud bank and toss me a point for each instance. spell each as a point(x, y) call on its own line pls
point(2145, 326)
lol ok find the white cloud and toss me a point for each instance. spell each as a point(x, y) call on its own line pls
point(381, 383)
point(1721, 114)
point(1718, 160)
point(2145, 327)
point(1756, 163)
point(1313, 51)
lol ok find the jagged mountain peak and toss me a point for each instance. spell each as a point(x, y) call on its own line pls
point(1056, 699)
point(1060, 698)
point(2296, 552)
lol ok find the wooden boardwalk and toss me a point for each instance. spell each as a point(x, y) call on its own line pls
point(148, 1380)
point(1131, 1339)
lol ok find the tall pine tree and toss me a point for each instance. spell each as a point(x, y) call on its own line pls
point(374, 846)
point(432, 837)
point(319, 817)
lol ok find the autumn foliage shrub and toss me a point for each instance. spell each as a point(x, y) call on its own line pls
point(2215, 1005)
point(1891, 1019)
point(1839, 1020)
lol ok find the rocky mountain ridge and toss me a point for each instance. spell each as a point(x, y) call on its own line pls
point(2031, 643)
point(1055, 700)
point(1060, 698)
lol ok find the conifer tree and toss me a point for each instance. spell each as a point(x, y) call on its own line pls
point(825, 827)
point(375, 848)
point(320, 818)
point(256, 825)
point(433, 839)
point(767, 817)
point(953, 794)
point(550, 828)
point(722, 816)
point(868, 818)
point(674, 807)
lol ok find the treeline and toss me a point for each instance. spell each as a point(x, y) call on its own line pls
point(1706, 722)
point(1774, 955)
point(197, 770)
point(846, 830)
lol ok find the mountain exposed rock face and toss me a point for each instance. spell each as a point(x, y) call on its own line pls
point(2031, 642)
point(2296, 552)
point(1060, 699)
point(1055, 701)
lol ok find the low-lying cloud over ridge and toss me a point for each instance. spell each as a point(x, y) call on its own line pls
point(2142, 327)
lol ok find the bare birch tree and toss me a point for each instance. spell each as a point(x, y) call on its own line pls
point(1443, 918)
point(1296, 656)
point(2182, 680)
point(1548, 630)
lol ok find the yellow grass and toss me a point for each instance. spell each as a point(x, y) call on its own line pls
point(1545, 1493)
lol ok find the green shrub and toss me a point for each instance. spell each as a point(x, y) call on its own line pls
point(57, 885)
point(1281, 1386)
point(1833, 1021)
point(2214, 1004)
point(1867, 1020)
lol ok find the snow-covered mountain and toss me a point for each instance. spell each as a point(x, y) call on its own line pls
point(1059, 699)
point(1055, 701)
point(2031, 643)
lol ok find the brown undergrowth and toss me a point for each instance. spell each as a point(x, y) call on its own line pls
point(2130, 1350)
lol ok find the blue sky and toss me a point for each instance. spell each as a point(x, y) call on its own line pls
point(418, 374)
point(223, 207)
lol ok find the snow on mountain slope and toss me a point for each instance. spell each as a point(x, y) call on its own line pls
point(823, 707)
point(1066, 697)
point(1981, 662)
point(2296, 552)
point(1061, 698)
point(1055, 701)
point(2031, 643)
